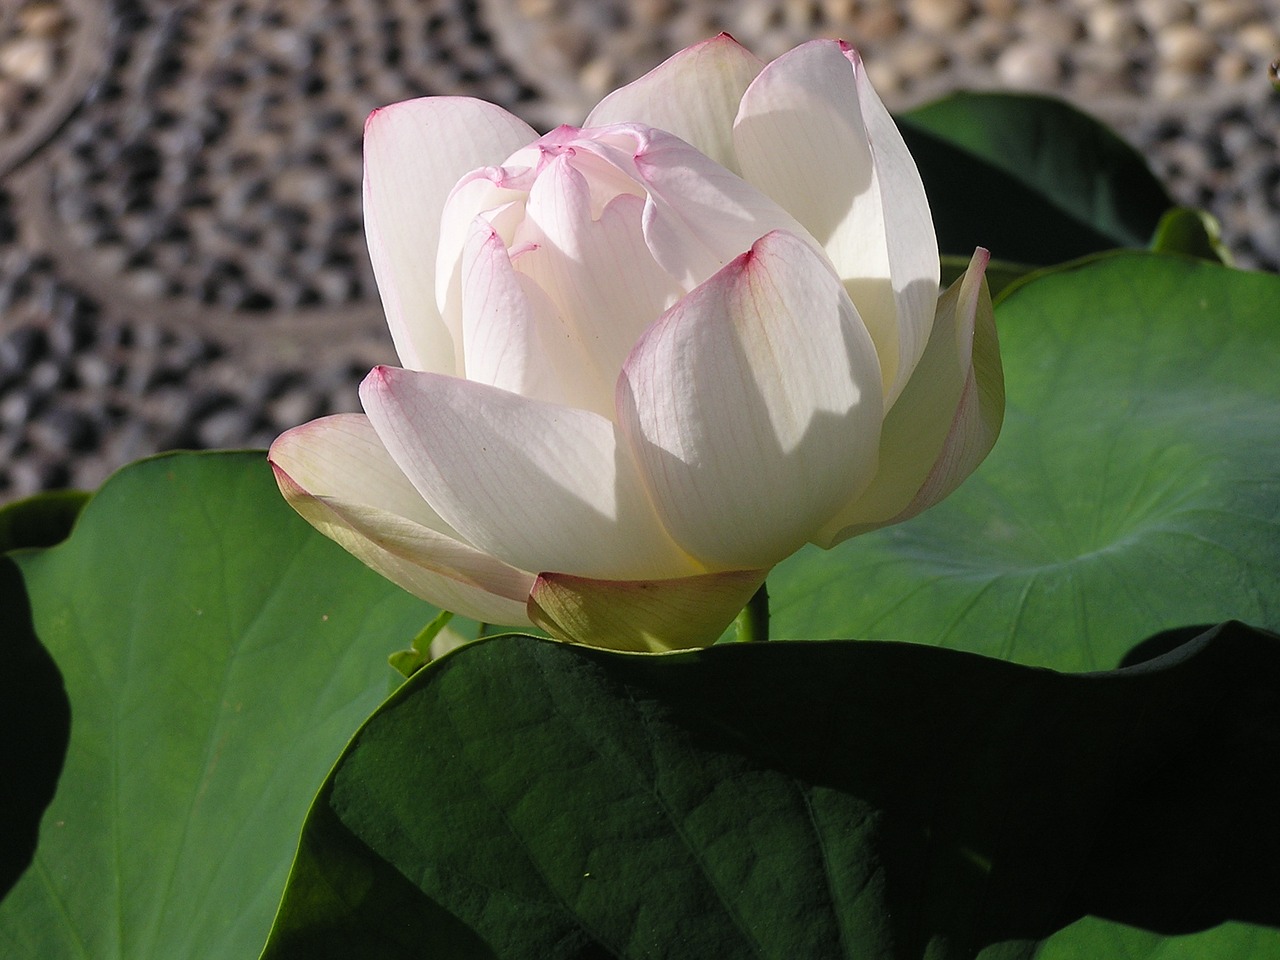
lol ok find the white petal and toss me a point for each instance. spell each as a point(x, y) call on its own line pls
point(754, 407)
point(694, 94)
point(813, 134)
point(494, 194)
point(599, 273)
point(414, 153)
point(340, 478)
point(946, 420)
point(512, 335)
point(698, 216)
point(544, 487)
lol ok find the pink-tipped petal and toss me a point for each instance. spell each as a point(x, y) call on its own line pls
point(414, 153)
point(539, 485)
point(495, 195)
point(693, 94)
point(758, 395)
point(698, 216)
point(512, 335)
point(947, 419)
point(649, 616)
point(597, 270)
point(813, 134)
point(337, 475)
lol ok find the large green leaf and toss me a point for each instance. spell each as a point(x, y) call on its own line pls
point(527, 799)
point(218, 653)
point(35, 722)
point(41, 520)
point(1135, 487)
point(1030, 178)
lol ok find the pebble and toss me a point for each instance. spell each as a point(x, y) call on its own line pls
point(42, 19)
point(227, 428)
point(536, 9)
point(1050, 25)
point(110, 260)
point(838, 11)
point(1266, 234)
point(1101, 72)
point(1175, 85)
point(1259, 39)
point(345, 399)
point(1030, 65)
point(11, 97)
point(28, 60)
point(15, 409)
point(334, 286)
point(147, 283)
point(651, 12)
point(46, 376)
point(1112, 25)
point(597, 77)
point(998, 9)
point(62, 431)
point(22, 348)
point(294, 408)
point(797, 16)
point(876, 24)
point(27, 476)
point(917, 57)
point(1185, 48)
point(1158, 14)
point(1224, 14)
point(987, 40)
point(937, 16)
point(95, 373)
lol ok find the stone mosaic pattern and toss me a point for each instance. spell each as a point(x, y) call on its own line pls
point(181, 256)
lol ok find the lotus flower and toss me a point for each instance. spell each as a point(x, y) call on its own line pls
point(644, 360)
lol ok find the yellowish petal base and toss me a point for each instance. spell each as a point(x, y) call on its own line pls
point(651, 616)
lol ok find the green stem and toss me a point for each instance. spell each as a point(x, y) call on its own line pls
point(753, 622)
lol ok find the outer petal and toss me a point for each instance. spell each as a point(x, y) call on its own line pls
point(813, 134)
point(542, 486)
point(340, 478)
point(644, 615)
point(414, 153)
point(694, 94)
point(754, 407)
point(946, 420)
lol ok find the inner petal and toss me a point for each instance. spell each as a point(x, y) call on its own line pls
point(698, 215)
point(596, 269)
point(498, 190)
point(512, 334)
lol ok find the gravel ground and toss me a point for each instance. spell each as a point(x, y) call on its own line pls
point(181, 256)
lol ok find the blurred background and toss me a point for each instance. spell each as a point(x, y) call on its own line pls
point(181, 252)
